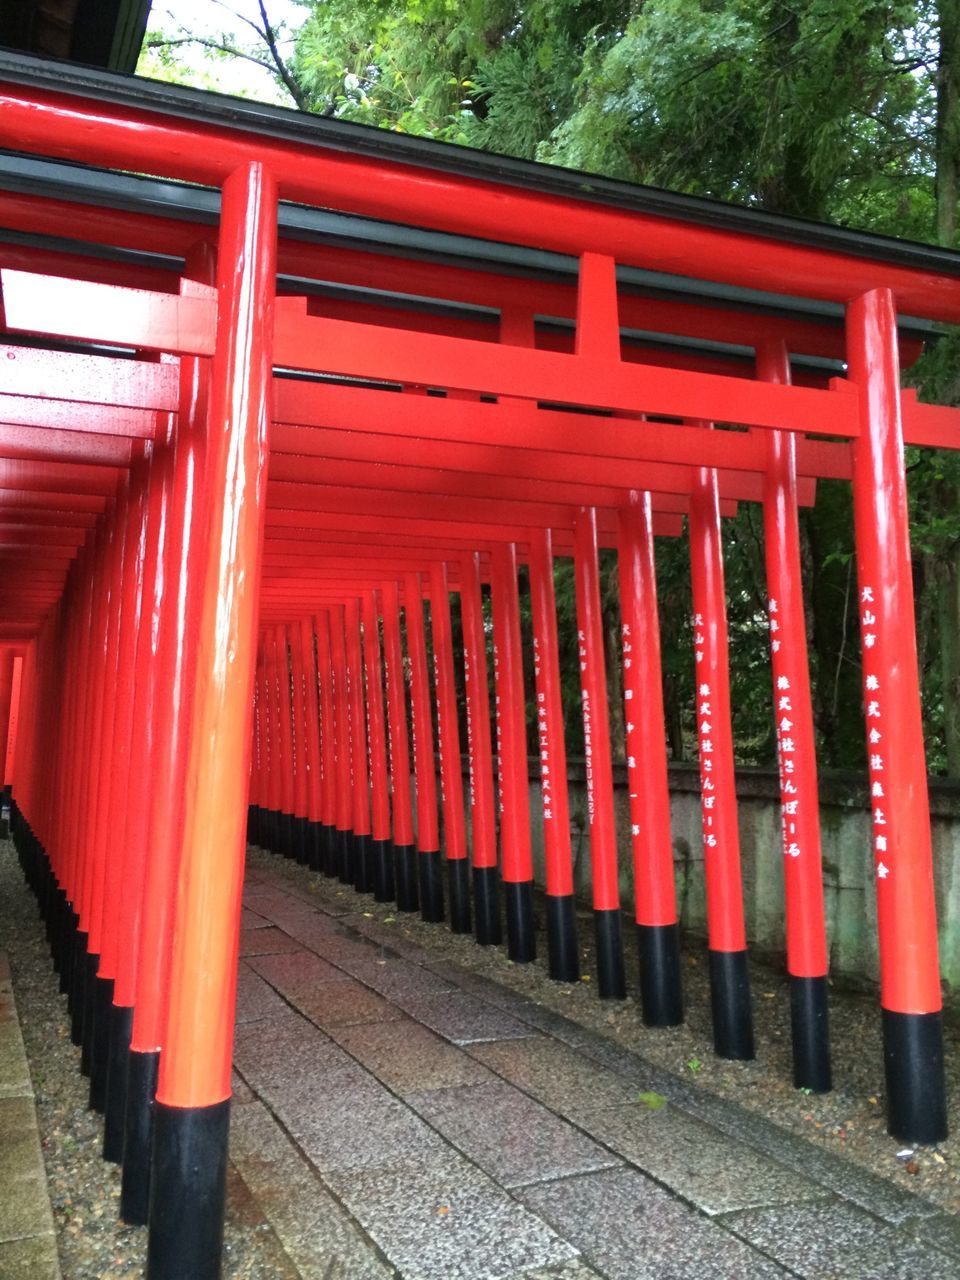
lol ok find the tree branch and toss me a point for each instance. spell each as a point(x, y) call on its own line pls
point(269, 35)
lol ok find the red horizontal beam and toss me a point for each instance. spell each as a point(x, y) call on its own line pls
point(109, 313)
point(92, 132)
point(393, 355)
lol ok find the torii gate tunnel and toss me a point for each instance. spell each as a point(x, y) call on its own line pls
point(249, 426)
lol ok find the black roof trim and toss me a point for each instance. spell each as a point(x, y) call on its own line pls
point(315, 131)
point(106, 188)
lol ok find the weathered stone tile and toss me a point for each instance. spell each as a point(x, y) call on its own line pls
point(24, 1199)
point(331, 1004)
point(251, 920)
point(317, 1233)
point(256, 999)
point(34, 1258)
point(557, 1075)
point(408, 1058)
point(348, 1127)
point(711, 1170)
point(838, 1241)
point(461, 1018)
point(298, 971)
point(14, 1071)
point(266, 942)
point(395, 978)
point(628, 1228)
point(284, 1048)
point(450, 1223)
point(511, 1137)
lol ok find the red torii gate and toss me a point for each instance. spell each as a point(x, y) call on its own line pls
point(207, 463)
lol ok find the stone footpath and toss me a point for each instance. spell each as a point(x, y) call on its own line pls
point(397, 1116)
point(27, 1242)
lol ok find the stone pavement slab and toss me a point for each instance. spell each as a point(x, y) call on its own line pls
point(556, 1074)
point(315, 1230)
point(628, 1228)
point(408, 1058)
point(710, 1170)
point(450, 1223)
point(461, 1018)
point(435, 1126)
point(510, 1136)
point(34, 1258)
point(839, 1241)
point(28, 1246)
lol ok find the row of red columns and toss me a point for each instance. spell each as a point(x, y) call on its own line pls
point(133, 830)
point(149, 680)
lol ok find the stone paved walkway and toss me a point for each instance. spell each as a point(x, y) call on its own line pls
point(27, 1242)
point(396, 1116)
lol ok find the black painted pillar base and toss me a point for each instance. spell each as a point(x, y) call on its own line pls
point(303, 841)
point(100, 1043)
point(381, 856)
point(611, 977)
point(458, 881)
point(188, 1191)
point(142, 1071)
point(69, 952)
point(661, 988)
point(730, 1005)
point(315, 845)
point(344, 856)
point(329, 850)
point(76, 996)
point(363, 879)
point(430, 872)
point(521, 936)
point(810, 1027)
point(563, 959)
point(486, 906)
point(405, 876)
point(121, 1027)
point(91, 964)
point(916, 1089)
point(253, 824)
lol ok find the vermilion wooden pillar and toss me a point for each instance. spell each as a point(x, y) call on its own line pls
point(301, 773)
point(328, 735)
point(342, 747)
point(118, 676)
point(448, 735)
point(312, 743)
point(405, 853)
point(796, 750)
point(135, 736)
point(192, 1115)
point(285, 743)
point(604, 869)
point(906, 912)
point(428, 835)
point(727, 942)
point(658, 933)
point(516, 858)
point(384, 888)
point(362, 866)
point(483, 827)
point(563, 958)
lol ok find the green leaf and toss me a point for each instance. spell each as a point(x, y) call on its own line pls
point(653, 1101)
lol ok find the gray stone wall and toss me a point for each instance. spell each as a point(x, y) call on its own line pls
point(848, 873)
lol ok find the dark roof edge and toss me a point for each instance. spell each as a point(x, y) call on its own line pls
point(287, 125)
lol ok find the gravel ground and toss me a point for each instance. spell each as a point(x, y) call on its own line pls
point(85, 1190)
point(849, 1121)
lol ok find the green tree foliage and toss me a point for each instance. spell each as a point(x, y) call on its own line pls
point(841, 110)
